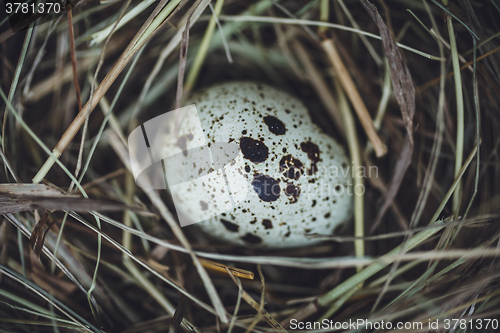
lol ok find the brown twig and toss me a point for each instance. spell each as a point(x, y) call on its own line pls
point(315, 78)
point(353, 94)
point(436, 80)
point(247, 298)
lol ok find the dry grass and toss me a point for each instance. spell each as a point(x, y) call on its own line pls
point(416, 80)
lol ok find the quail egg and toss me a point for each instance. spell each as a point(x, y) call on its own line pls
point(286, 180)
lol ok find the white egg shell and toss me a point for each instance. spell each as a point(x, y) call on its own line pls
point(295, 179)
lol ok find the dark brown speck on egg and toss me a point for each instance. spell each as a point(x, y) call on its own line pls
point(267, 224)
point(275, 125)
point(267, 188)
point(312, 151)
point(293, 192)
point(182, 142)
point(252, 239)
point(253, 150)
point(291, 167)
point(233, 227)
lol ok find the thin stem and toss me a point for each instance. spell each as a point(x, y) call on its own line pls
point(203, 50)
point(460, 114)
point(324, 11)
point(355, 153)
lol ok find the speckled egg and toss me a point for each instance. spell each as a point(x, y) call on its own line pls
point(288, 181)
